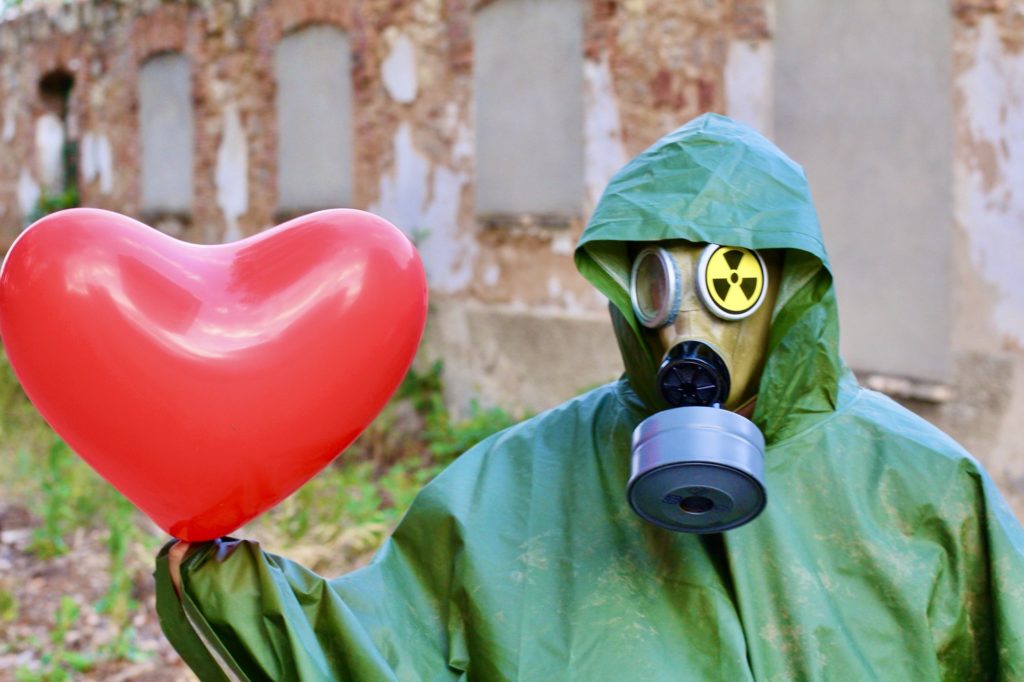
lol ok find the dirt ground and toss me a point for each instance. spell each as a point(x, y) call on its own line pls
point(82, 573)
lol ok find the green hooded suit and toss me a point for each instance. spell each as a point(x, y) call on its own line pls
point(885, 551)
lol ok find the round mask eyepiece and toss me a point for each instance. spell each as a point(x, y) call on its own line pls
point(654, 288)
point(731, 281)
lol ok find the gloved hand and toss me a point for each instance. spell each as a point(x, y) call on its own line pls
point(174, 558)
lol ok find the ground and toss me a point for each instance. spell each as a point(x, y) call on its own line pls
point(37, 587)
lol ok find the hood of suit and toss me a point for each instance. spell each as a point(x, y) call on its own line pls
point(720, 182)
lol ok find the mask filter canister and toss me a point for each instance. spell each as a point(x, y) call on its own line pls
point(697, 470)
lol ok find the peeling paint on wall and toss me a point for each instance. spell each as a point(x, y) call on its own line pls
point(50, 151)
point(232, 173)
point(447, 254)
point(563, 245)
point(423, 200)
point(398, 71)
point(98, 161)
point(989, 176)
point(462, 145)
point(604, 152)
point(491, 275)
point(403, 191)
point(10, 116)
point(28, 192)
point(748, 84)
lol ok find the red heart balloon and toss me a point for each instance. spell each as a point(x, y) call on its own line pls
point(207, 383)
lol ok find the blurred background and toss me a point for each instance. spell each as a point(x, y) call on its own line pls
point(486, 130)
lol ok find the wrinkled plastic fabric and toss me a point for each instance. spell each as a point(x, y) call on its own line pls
point(885, 551)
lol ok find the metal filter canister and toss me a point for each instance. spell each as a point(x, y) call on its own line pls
point(697, 470)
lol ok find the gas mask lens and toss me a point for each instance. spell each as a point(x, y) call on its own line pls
point(654, 288)
point(730, 281)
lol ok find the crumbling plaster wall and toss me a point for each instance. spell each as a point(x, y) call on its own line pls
point(30, 48)
point(229, 46)
point(512, 318)
point(648, 66)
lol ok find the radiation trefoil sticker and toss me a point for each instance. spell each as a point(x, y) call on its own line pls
point(732, 281)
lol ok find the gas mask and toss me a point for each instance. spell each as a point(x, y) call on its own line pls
point(698, 467)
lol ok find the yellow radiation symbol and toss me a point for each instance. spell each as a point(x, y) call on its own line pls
point(734, 280)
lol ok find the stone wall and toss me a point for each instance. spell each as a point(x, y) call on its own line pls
point(513, 319)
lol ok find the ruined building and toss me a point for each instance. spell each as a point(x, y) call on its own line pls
point(486, 129)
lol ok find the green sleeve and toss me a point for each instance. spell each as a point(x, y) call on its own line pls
point(176, 627)
point(249, 615)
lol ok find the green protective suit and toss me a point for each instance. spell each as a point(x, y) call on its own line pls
point(885, 551)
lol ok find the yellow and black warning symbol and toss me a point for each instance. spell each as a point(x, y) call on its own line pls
point(733, 280)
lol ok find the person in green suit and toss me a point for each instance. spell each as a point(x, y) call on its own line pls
point(884, 550)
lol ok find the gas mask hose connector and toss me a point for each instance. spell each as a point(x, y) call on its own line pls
point(693, 374)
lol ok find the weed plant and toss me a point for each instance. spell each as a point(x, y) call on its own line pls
point(58, 662)
point(8, 606)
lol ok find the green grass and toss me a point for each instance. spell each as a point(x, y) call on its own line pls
point(8, 606)
point(58, 662)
